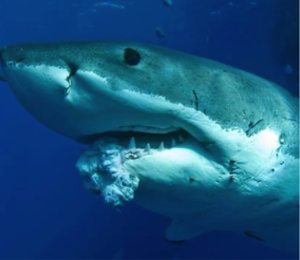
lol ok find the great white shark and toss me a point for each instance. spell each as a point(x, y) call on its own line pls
point(210, 146)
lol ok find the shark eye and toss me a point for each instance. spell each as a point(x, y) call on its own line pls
point(131, 57)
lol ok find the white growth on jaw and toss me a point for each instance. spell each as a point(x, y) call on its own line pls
point(101, 167)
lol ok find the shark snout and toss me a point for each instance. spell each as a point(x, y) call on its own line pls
point(2, 62)
point(1, 58)
point(10, 57)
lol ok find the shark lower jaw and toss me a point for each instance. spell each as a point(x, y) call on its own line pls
point(115, 162)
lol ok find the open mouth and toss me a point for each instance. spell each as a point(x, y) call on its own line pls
point(102, 165)
point(167, 138)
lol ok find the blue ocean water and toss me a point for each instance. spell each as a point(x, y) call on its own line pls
point(45, 211)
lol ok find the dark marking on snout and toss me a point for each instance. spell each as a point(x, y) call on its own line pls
point(191, 179)
point(73, 68)
point(251, 235)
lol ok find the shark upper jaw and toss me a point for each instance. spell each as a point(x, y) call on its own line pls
point(84, 107)
point(87, 104)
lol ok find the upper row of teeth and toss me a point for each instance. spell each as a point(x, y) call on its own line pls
point(132, 144)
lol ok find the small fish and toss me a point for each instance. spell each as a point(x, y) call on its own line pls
point(168, 2)
point(160, 32)
point(109, 4)
point(288, 69)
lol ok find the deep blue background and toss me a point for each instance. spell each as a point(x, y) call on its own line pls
point(44, 210)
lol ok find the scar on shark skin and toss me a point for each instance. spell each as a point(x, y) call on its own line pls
point(252, 126)
point(196, 100)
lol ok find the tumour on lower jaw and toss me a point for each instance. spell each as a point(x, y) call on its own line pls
point(101, 167)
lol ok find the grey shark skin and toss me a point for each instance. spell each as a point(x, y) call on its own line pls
point(212, 147)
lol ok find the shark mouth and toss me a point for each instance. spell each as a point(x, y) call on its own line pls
point(102, 164)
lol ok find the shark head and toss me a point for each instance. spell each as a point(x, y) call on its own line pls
point(70, 87)
point(205, 144)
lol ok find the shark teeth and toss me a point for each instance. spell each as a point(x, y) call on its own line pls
point(140, 140)
point(102, 168)
point(147, 148)
point(161, 146)
point(132, 144)
point(147, 142)
point(181, 139)
point(173, 142)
